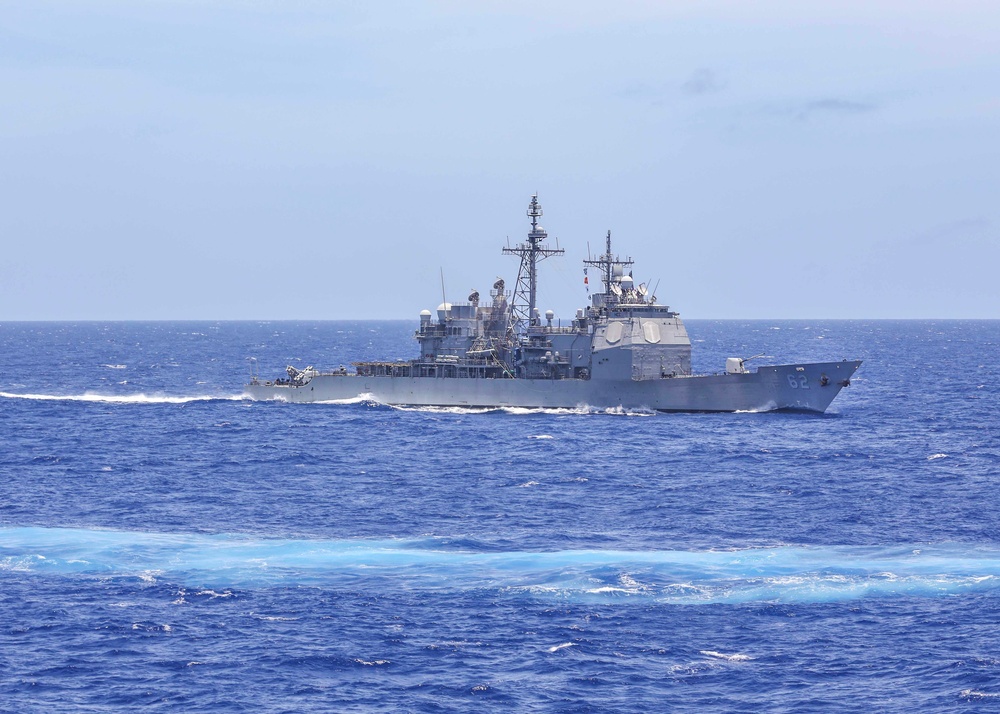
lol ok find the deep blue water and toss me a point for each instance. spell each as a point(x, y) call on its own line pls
point(167, 545)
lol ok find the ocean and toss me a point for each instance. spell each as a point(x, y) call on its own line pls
point(167, 545)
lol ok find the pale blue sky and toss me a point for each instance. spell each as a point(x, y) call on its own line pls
point(267, 160)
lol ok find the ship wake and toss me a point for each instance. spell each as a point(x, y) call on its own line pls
point(583, 410)
point(122, 398)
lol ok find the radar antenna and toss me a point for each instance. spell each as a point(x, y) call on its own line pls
point(611, 266)
point(530, 252)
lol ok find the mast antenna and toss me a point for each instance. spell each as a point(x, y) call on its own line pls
point(530, 251)
point(612, 267)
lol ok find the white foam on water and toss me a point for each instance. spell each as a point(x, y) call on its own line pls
point(737, 657)
point(441, 410)
point(211, 565)
point(610, 590)
point(622, 411)
point(556, 411)
point(935, 457)
point(768, 407)
point(631, 583)
point(974, 694)
point(582, 410)
point(122, 398)
point(453, 644)
point(517, 411)
point(563, 646)
point(359, 399)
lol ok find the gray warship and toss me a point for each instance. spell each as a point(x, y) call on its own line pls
point(623, 351)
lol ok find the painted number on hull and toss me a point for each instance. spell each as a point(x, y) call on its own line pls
point(797, 381)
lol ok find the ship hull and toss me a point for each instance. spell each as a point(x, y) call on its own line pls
point(799, 387)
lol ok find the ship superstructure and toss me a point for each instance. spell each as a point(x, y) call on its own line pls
point(624, 349)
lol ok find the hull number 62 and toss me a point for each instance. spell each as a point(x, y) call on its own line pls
point(797, 381)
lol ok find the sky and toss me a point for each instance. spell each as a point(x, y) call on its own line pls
point(265, 159)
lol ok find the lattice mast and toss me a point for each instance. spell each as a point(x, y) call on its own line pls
point(531, 251)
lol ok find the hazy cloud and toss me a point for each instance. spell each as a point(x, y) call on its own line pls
point(702, 81)
point(968, 231)
point(834, 106)
point(637, 91)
